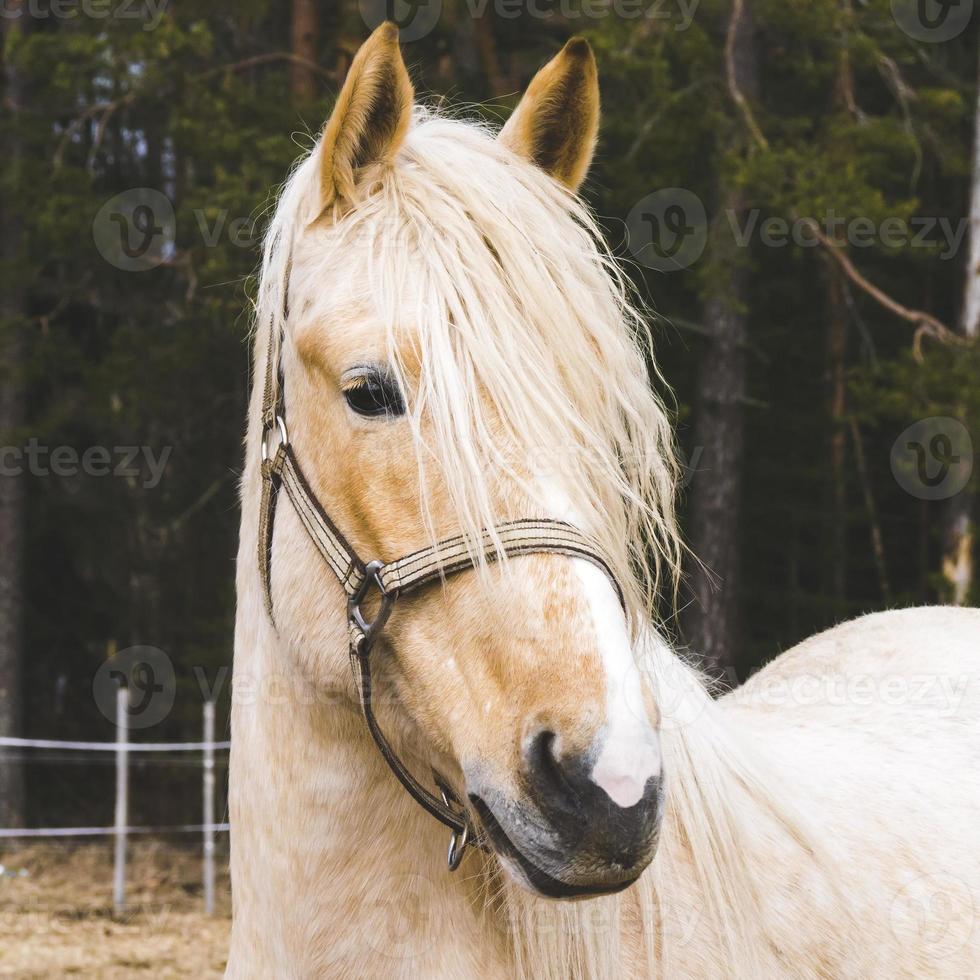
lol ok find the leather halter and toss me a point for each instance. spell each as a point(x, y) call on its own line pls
point(281, 470)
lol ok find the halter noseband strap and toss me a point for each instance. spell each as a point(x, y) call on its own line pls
point(390, 580)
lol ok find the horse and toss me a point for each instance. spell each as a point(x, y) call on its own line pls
point(445, 348)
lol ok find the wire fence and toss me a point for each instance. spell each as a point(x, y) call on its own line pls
point(120, 830)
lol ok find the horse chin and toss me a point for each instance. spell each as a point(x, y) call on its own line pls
point(560, 881)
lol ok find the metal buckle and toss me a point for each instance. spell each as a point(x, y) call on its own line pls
point(283, 436)
point(457, 840)
point(369, 630)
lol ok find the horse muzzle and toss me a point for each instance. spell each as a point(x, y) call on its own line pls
point(565, 837)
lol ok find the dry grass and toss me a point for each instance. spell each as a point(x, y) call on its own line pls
point(57, 921)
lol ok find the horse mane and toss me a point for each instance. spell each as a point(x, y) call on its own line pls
point(523, 308)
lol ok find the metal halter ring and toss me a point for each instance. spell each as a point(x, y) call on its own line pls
point(369, 630)
point(283, 437)
point(457, 848)
point(457, 840)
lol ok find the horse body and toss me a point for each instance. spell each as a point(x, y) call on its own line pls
point(337, 873)
point(874, 726)
point(817, 822)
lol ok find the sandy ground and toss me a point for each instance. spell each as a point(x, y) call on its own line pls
point(57, 920)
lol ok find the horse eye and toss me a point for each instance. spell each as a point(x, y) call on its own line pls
point(375, 395)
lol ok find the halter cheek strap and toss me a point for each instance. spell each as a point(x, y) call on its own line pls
point(281, 471)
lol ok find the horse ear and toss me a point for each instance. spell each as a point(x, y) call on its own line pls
point(370, 118)
point(556, 123)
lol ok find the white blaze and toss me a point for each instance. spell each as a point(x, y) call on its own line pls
point(629, 752)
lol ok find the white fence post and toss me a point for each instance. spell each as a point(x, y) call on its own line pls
point(209, 807)
point(120, 830)
point(122, 799)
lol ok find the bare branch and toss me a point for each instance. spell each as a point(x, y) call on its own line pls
point(904, 94)
point(925, 323)
point(738, 97)
point(266, 59)
point(845, 74)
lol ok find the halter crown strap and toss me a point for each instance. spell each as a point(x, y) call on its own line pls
point(281, 471)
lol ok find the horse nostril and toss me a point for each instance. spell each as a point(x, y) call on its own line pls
point(547, 774)
point(542, 753)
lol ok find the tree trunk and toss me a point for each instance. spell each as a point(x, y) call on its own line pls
point(837, 314)
point(486, 43)
point(711, 627)
point(957, 565)
point(837, 408)
point(712, 621)
point(11, 422)
point(305, 34)
point(970, 315)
